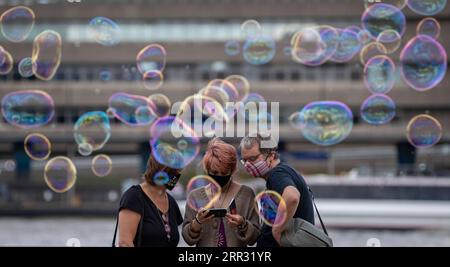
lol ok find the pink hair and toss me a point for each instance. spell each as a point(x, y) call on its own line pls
point(220, 157)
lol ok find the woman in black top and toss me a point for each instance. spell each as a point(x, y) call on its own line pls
point(160, 211)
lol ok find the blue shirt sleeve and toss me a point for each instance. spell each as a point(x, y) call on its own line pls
point(278, 181)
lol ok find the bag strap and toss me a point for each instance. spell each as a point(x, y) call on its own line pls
point(141, 223)
point(293, 172)
point(317, 211)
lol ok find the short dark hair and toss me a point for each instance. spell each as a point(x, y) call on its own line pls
point(250, 141)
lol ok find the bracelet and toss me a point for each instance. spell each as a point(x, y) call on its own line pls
point(198, 221)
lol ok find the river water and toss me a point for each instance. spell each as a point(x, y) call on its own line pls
point(98, 232)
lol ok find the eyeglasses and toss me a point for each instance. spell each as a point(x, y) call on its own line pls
point(251, 159)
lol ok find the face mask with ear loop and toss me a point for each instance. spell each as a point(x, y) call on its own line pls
point(259, 168)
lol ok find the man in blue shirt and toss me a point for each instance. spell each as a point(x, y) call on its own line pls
point(260, 158)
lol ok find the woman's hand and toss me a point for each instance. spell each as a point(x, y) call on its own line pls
point(235, 219)
point(200, 218)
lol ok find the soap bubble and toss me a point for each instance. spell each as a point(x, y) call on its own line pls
point(47, 54)
point(378, 109)
point(271, 208)
point(423, 63)
point(105, 31)
point(92, 128)
point(390, 39)
point(430, 27)
point(424, 131)
point(37, 146)
point(202, 192)
point(326, 123)
point(259, 50)
point(28, 109)
point(101, 165)
point(60, 174)
point(380, 17)
point(427, 7)
point(17, 23)
point(26, 67)
point(379, 75)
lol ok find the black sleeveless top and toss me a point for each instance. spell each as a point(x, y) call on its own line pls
point(153, 231)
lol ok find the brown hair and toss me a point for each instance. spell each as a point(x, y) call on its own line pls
point(220, 156)
point(153, 166)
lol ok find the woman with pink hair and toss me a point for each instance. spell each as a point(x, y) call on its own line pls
point(240, 226)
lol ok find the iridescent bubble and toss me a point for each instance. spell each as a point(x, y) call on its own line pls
point(101, 165)
point(380, 17)
point(92, 128)
point(60, 174)
point(203, 113)
point(314, 46)
point(26, 67)
point(153, 79)
point(423, 63)
point(215, 92)
point(364, 37)
point(85, 149)
point(271, 208)
point(251, 28)
point(430, 27)
point(232, 48)
point(17, 23)
point(124, 107)
point(378, 109)
point(202, 192)
point(28, 109)
point(379, 74)
point(400, 4)
point(144, 115)
point(294, 120)
point(424, 131)
point(151, 58)
point(105, 75)
point(9, 165)
point(427, 7)
point(326, 123)
point(46, 56)
point(390, 39)
point(231, 92)
point(241, 84)
point(161, 178)
point(160, 104)
point(105, 31)
point(348, 46)
point(253, 100)
point(2, 55)
point(37, 146)
point(259, 50)
point(371, 50)
point(8, 63)
point(165, 134)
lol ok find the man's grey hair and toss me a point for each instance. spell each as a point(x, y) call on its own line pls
point(266, 145)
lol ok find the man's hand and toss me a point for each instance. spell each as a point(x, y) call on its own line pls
point(276, 232)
